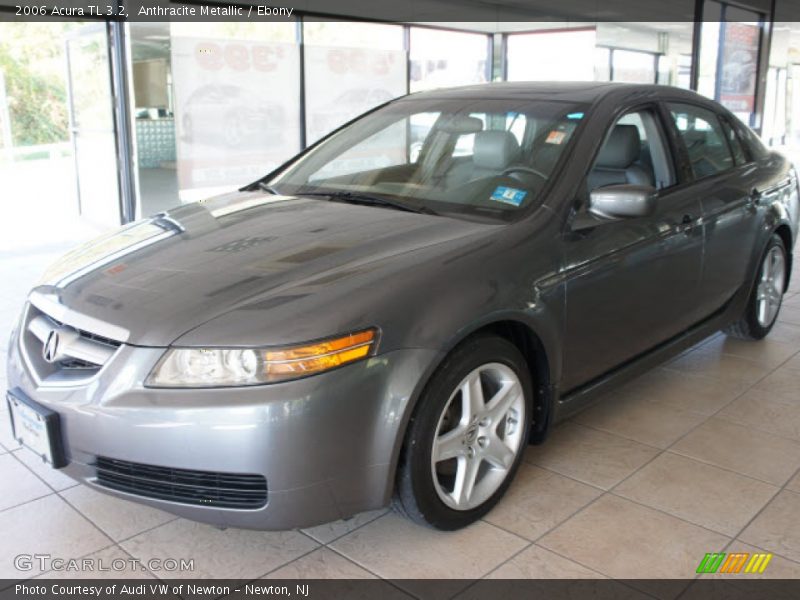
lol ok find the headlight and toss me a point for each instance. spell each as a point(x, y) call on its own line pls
point(227, 367)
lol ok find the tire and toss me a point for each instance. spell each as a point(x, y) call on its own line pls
point(765, 300)
point(487, 441)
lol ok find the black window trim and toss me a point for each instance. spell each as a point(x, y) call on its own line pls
point(725, 122)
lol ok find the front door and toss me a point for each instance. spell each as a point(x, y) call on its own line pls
point(631, 283)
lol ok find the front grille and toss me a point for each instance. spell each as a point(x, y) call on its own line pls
point(221, 490)
point(79, 353)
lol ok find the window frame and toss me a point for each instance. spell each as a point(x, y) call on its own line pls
point(725, 123)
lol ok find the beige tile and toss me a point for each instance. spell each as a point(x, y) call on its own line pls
point(634, 417)
point(45, 526)
point(698, 492)
point(685, 391)
point(624, 540)
point(55, 478)
point(790, 314)
point(19, 484)
point(777, 528)
point(595, 457)
point(719, 366)
point(766, 411)
point(785, 332)
point(7, 440)
point(536, 562)
point(322, 563)
point(119, 519)
point(777, 568)
point(328, 532)
point(109, 563)
point(793, 362)
point(742, 449)
point(783, 382)
point(231, 554)
point(538, 500)
point(794, 484)
point(395, 548)
point(768, 352)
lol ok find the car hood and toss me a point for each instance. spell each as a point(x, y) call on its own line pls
point(161, 277)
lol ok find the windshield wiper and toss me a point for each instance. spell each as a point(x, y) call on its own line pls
point(369, 200)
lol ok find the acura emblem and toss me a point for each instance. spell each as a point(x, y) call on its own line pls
point(50, 350)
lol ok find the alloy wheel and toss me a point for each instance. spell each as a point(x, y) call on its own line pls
point(478, 436)
point(770, 287)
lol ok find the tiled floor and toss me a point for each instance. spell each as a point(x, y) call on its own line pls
point(700, 455)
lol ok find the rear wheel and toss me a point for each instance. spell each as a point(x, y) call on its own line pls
point(466, 439)
point(767, 295)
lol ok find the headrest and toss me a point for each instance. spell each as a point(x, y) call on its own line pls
point(494, 149)
point(621, 149)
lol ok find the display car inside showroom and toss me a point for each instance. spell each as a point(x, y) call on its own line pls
point(444, 300)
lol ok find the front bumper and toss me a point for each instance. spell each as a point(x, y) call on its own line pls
point(325, 444)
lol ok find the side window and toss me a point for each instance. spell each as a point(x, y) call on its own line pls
point(633, 152)
point(704, 139)
point(739, 155)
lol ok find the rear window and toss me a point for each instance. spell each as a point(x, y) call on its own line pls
point(704, 139)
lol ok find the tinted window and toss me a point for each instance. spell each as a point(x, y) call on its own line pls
point(704, 139)
point(736, 144)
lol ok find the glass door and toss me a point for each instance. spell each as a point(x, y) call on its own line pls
point(92, 124)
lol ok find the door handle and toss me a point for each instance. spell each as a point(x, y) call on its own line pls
point(687, 220)
point(753, 198)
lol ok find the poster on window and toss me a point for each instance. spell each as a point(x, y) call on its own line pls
point(737, 84)
point(342, 83)
point(237, 111)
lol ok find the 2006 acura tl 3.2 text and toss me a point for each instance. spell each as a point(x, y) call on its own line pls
point(397, 311)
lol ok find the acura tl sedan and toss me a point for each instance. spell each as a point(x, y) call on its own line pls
point(367, 324)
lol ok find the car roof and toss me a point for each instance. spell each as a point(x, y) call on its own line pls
point(571, 91)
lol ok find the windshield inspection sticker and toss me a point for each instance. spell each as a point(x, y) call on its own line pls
point(555, 137)
point(508, 195)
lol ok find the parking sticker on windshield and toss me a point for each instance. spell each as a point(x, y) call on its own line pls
point(555, 137)
point(508, 195)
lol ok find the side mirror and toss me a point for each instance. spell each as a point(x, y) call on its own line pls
point(623, 201)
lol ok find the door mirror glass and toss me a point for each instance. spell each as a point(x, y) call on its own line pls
point(623, 201)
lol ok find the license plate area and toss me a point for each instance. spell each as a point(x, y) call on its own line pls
point(37, 428)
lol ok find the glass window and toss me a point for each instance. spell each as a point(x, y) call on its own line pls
point(634, 152)
point(551, 56)
point(350, 68)
point(633, 67)
point(739, 155)
point(447, 58)
point(468, 158)
point(704, 139)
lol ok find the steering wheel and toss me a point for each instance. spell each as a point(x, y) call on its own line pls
point(522, 169)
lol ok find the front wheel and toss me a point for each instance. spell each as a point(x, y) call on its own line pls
point(767, 295)
point(467, 436)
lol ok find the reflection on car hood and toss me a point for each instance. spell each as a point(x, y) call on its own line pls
point(163, 276)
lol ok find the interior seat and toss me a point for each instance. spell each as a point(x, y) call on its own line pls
point(492, 153)
point(618, 163)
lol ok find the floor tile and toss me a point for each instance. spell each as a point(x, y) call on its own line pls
point(536, 562)
point(109, 563)
point(766, 411)
point(633, 417)
point(119, 519)
point(427, 553)
point(52, 477)
point(19, 484)
point(538, 500)
point(328, 532)
point(46, 526)
point(768, 352)
point(783, 382)
point(624, 540)
point(230, 553)
point(777, 528)
point(7, 440)
point(742, 449)
point(697, 492)
point(725, 367)
point(322, 563)
point(595, 457)
point(785, 332)
point(686, 391)
point(794, 484)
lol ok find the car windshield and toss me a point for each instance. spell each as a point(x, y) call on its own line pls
point(446, 156)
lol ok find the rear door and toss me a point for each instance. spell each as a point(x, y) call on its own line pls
point(631, 283)
point(725, 181)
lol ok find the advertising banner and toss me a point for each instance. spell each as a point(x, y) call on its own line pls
point(737, 86)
